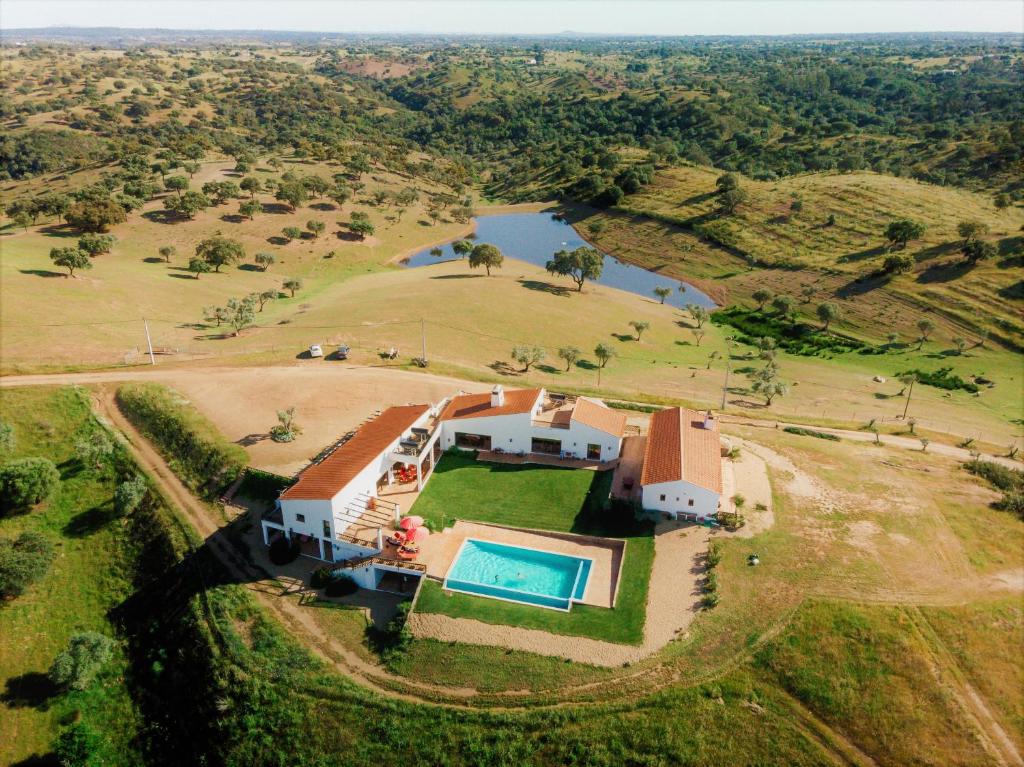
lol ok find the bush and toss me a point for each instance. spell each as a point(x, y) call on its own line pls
point(321, 576)
point(714, 555)
point(26, 482)
point(341, 586)
point(77, 747)
point(1012, 502)
point(810, 433)
point(709, 600)
point(943, 378)
point(23, 561)
point(262, 485)
point(129, 494)
point(78, 665)
point(283, 552)
point(999, 476)
point(203, 458)
point(793, 337)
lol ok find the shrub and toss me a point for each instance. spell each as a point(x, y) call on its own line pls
point(77, 747)
point(710, 599)
point(23, 561)
point(283, 552)
point(793, 337)
point(714, 555)
point(1012, 502)
point(6, 437)
point(810, 433)
point(26, 482)
point(85, 656)
point(341, 586)
point(195, 449)
point(999, 476)
point(129, 494)
point(943, 378)
point(262, 485)
point(320, 577)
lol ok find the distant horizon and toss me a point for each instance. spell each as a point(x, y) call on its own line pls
point(528, 18)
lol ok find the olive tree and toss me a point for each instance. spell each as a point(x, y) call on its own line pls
point(528, 355)
point(85, 656)
point(24, 482)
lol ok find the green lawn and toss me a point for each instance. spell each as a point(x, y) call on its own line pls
point(90, 574)
point(565, 500)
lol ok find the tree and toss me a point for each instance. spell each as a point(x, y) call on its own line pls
point(960, 343)
point(23, 219)
point(528, 355)
point(286, 429)
point(167, 252)
point(971, 230)
point(435, 215)
point(291, 233)
point(924, 327)
point(727, 182)
point(221, 191)
point(264, 261)
point(1002, 200)
point(23, 561)
point(579, 265)
point(462, 248)
point(770, 390)
point(78, 746)
point(783, 305)
point(766, 348)
point(191, 168)
point(94, 448)
point(70, 259)
point(362, 227)
point(219, 251)
point(129, 494)
point(807, 293)
point(316, 227)
point(7, 439)
point(604, 353)
point(96, 244)
point(315, 185)
point(487, 256)
point(437, 252)
point(898, 263)
point(699, 335)
point(292, 284)
point(663, 293)
point(188, 204)
point(570, 354)
point(827, 312)
point(639, 326)
point(730, 200)
point(249, 208)
point(293, 193)
point(197, 266)
point(251, 184)
point(25, 482)
point(699, 313)
point(266, 295)
point(908, 380)
point(95, 215)
point(176, 184)
point(978, 250)
point(900, 232)
point(86, 655)
point(762, 296)
point(340, 194)
point(240, 313)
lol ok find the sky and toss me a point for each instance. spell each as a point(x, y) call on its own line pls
point(663, 17)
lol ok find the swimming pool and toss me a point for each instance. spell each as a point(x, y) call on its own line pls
point(517, 574)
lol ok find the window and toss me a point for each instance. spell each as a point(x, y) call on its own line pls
point(547, 446)
point(327, 529)
point(472, 441)
point(689, 502)
point(300, 517)
point(594, 452)
point(661, 497)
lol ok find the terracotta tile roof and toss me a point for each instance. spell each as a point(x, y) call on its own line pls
point(479, 405)
point(599, 416)
point(680, 448)
point(322, 481)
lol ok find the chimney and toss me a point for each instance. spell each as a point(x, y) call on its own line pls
point(709, 421)
point(498, 396)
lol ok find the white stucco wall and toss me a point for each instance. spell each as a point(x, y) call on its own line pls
point(677, 497)
point(515, 433)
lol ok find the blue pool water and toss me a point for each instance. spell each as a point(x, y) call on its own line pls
point(516, 574)
point(535, 237)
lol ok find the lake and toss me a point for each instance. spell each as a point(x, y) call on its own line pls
point(534, 237)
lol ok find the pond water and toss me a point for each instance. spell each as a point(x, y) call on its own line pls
point(535, 237)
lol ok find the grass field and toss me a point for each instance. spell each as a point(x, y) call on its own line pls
point(564, 500)
point(90, 574)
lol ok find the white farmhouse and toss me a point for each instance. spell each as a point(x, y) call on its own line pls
point(682, 470)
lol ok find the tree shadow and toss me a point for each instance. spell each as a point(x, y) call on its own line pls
point(33, 689)
point(42, 273)
point(179, 276)
point(503, 368)
point(277, 239)
point(250, 268)
point(152, 260)
point(549, 369)
point(545, 287)
point(623, 337)
point(947, 271)
point(348, 236)
point(39, 760)
point(233, 218)
point(456, 276)
point(251, 439)
point(72, 467)
point(1015, 291)
point(59, 230)
point(90, 521)
point(163, 217)
point(927, 254)
point(861, 285)
point(323, 206)
point(697, 199)
point(861, 255)
point(586, 365)
point(276, 208)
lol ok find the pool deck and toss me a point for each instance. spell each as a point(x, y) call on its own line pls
point(439, 551)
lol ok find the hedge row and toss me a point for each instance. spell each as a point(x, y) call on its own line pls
point(793, 337)
point(811, 433)
point(197, 452)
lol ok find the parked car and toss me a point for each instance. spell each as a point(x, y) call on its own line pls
point(316, 351)
point(343, 352)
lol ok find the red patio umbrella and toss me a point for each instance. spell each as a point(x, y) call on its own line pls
point(410, 523)
point(418, 534)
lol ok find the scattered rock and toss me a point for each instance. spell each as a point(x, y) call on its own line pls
point(879, 379)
